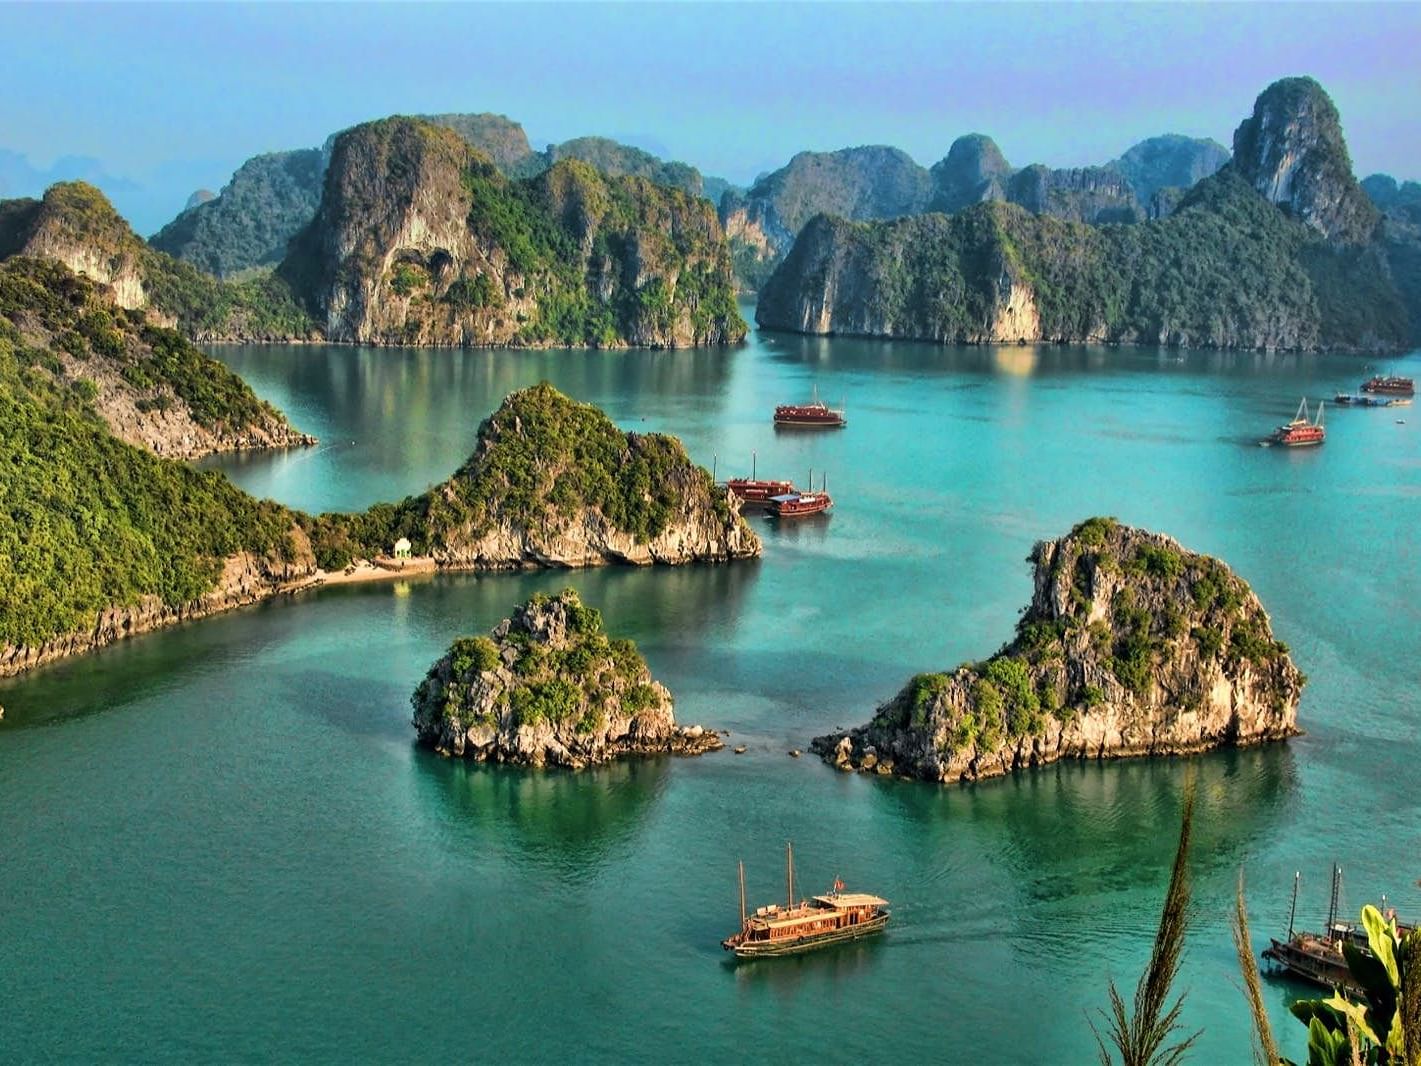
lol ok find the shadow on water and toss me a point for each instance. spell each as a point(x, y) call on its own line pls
point(141, 667)
point(1111, 826)
point(570, 823)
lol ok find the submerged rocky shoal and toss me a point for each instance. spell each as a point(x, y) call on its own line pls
point(1131, 645)
point(548, 687)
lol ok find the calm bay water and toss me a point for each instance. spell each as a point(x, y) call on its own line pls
point(220, 842)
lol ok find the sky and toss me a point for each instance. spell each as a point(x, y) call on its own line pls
point(154, 101)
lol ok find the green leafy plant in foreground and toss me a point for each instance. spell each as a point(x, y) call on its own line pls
point(1382, 1027)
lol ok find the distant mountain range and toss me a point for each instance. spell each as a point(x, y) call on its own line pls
point(451, 229)
point(271, 197)
point(879, 182)
point(1279, 249)
point(415, 237)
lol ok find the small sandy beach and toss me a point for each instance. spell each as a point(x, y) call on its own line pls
point(367, 570)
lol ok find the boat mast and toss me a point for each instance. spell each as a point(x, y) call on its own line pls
point(1302, 413)
point(1336, 892)
point(1292, 911)
point(742, 894)
point(789, 873)
point(1319, 414)
point(752, 466)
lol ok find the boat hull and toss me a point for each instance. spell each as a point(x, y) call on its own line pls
point(769, 949)
point(811, 423)
point(1313, 443)
point(1319, 966)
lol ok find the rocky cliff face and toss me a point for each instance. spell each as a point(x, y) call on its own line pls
point(757, 237)
point(1291, 150)
point(152, 387)
point(76, 225)
point(1083, 194)
point(932, 277)
point(250, 223)
point(421, 240)
point(873, 181)
point(974, 171)
point(548, 688)
point(1169, 161)
point(615, 160)
point(555, 483)
point(1131, 646)
point(498, 137)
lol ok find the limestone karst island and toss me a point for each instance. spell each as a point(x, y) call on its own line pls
point(636, 533)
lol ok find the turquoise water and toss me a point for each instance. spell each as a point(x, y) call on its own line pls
point(219, 841)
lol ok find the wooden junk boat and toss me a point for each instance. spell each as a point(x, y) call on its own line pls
point(812, 415)
point(796, 504)
point(811, 923)
point(1301, 431)
point(756, 492)
point(1392, 386)
point(1318, 957)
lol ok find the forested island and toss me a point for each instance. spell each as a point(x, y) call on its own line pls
point(1131, 645)
point(549, 687)
point(108, 538)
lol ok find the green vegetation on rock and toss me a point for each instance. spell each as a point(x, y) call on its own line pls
point(94, 523)
point(569, 256)
point(541, 460)
point(72, 328)
point(548, 686)
point(1226, 270)
point(1131, 645)
point(76, 225)
point(267, 201)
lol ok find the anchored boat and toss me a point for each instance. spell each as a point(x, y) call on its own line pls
point(811, 923)
point(1393, 386)
point(812, 415)
point(1302, 431)
point(1318, 957)
point(755, 492)
point(794, 504)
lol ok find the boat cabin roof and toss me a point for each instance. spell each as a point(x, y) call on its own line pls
point(786, 497)
point(851, 899)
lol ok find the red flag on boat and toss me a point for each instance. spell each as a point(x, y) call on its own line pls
point(838, 885)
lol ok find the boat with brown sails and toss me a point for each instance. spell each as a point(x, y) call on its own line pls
point(819, 921)
point(1320, 957)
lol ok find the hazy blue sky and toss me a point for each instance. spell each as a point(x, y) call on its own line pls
point(174, 96)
